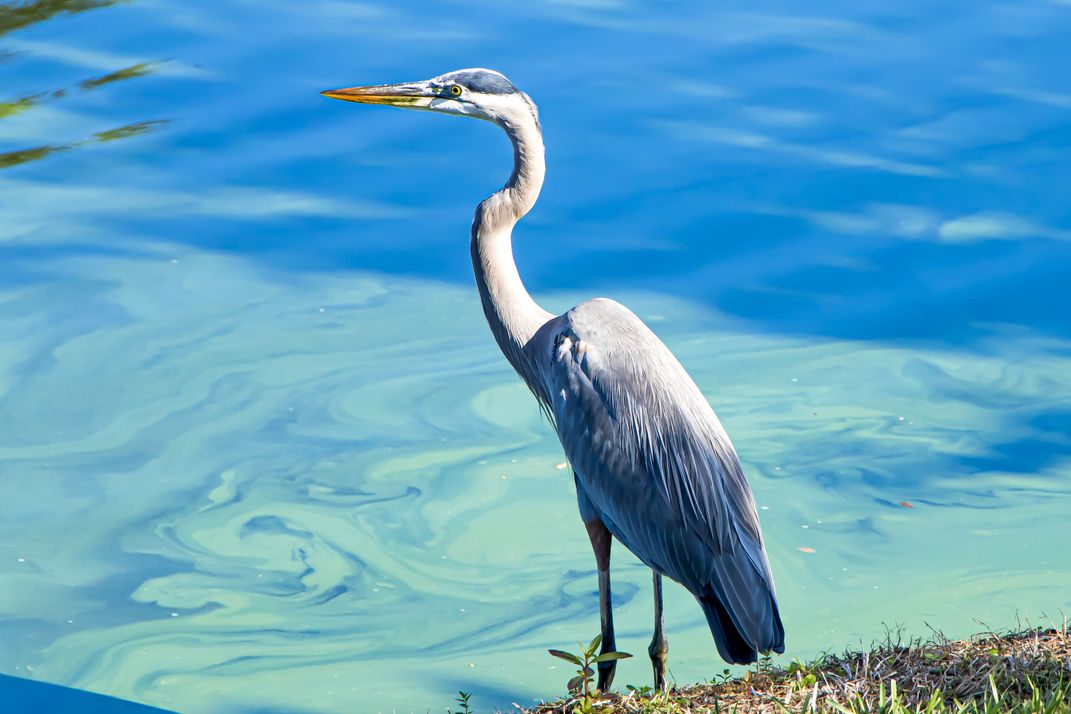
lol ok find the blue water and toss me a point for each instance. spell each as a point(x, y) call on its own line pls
point(258, 451)
point(27, 695)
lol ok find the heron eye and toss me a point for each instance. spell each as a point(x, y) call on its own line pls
point(455, 90)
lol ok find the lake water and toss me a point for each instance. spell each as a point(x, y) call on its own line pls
point(258, 451)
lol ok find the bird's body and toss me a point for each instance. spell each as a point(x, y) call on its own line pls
point(652, 464)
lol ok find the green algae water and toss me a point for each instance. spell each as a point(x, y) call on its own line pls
point(258, 450)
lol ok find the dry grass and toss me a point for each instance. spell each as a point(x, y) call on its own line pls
point(1027, 671)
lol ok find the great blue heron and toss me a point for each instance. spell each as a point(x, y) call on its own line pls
point(652, 464)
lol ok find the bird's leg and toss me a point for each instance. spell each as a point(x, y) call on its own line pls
point(600, 543)
point(659, 646)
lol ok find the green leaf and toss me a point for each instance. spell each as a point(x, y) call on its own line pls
point(594, 645)
point(567, 657)
point(610, 656)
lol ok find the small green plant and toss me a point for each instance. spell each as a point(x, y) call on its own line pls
point(581, 684)
point(462, 699)
point(765, 663)
point(801, 675)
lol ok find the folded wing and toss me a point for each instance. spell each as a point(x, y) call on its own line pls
point(652, 459)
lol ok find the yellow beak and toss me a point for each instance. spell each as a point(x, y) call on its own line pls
point(395, 95)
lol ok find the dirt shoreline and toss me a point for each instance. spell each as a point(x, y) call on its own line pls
point(1027, 671)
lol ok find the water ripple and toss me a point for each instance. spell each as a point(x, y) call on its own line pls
point(338, 480)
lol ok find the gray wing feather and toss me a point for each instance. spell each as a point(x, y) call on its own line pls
point(653, 460)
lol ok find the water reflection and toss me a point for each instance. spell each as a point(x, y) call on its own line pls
point(20, 15)
point(15, 15)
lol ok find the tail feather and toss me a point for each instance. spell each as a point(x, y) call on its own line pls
point(740, 603)
point(732, 646)
point(736, 646)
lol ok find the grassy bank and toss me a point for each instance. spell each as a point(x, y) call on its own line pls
point(1027, 671)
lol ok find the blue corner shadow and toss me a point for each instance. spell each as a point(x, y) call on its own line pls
point(22, 696)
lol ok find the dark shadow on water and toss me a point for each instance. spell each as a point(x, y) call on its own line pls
point(23, 696)
point(1042, 445)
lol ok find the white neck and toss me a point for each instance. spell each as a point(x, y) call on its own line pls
point(511, 312)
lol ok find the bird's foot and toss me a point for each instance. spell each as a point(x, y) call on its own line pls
point(659, 651)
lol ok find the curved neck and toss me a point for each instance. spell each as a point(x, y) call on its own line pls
point(511, 312)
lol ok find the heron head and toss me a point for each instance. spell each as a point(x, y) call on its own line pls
point(480, 93)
